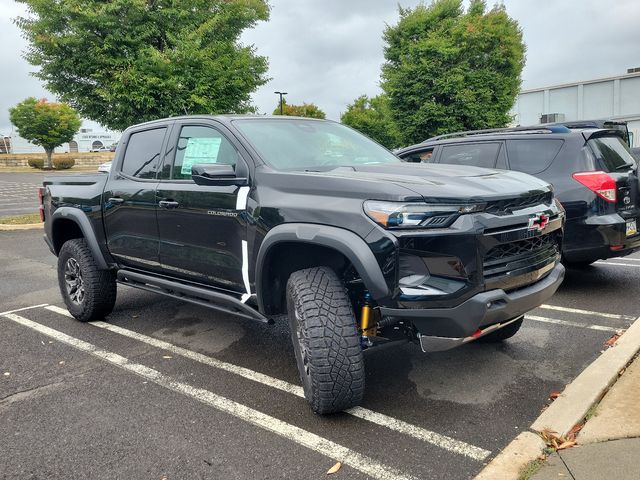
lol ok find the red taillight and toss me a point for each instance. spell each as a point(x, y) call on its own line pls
point(598, 182)
point(41, 203)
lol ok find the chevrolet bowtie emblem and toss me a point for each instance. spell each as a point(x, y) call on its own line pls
point(538, 222)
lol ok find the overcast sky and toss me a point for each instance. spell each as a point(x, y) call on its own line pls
point(329, 51)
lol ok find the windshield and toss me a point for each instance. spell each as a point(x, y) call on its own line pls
point(299, 144)
point(612, 153)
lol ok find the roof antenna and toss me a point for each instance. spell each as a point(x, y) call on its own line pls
point(185, 109)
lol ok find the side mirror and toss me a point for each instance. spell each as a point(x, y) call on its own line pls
point(216, 174)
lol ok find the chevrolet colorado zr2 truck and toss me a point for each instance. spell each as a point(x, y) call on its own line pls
point(263, 217)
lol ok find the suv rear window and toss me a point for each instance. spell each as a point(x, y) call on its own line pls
point(611, 153)
point(475, 154)
point(532, 156)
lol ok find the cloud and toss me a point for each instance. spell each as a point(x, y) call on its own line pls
point(330, 51)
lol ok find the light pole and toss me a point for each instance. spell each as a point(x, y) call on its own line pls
point(281, 95)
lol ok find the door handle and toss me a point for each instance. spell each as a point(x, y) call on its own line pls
point(117, 200)
point(168, 204)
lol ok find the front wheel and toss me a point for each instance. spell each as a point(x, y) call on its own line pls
point(325, 340)
point(88, 292)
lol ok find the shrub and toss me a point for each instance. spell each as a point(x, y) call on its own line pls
point(63, 163)
point(36, 163)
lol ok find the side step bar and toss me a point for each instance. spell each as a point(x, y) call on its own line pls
point(189, 293)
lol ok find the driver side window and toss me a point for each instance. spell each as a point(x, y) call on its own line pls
point(200, 144)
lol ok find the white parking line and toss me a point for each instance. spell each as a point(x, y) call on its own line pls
point(314, 442)
point(625, 259)
point(25, 308)
point(616, 316)
point(616, 264)
point(380, 419)
point(571, 324)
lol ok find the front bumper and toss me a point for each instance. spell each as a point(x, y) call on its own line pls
point(480, 311)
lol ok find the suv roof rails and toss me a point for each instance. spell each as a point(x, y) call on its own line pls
point(531, 129)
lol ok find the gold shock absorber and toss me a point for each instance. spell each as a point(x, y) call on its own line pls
point(365, 318)
point(367, 323)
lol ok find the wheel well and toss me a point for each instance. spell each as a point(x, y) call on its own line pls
point(64, 230)
point(287, 257)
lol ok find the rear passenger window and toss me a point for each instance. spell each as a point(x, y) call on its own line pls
point(475, 154)
point(532, 156)
point(423, 156)
point(612, 153)
point(197, 145)
point(143, 153)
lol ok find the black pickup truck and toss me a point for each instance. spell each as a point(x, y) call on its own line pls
point(266, 216)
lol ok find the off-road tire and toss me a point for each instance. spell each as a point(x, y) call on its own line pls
point(99, 285)
point(325, 340)
point(503, 333)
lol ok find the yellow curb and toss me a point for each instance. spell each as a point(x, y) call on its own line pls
point(27, 226)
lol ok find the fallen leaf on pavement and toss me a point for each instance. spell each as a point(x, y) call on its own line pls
point(334, 469)
point(612, 340)
point(567, 444)
point(574, 431)
point(554, 395)
point(556, 442)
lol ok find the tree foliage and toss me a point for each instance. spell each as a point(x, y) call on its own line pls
point(372, 116)
point(448, 70)
point(126, 61)
point(46, 124)
point(305, 110)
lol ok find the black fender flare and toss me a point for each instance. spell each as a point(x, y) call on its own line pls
point(80, 218)
point(344, 241)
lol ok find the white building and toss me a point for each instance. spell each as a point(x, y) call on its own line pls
point(85, 140)
point(615, 98)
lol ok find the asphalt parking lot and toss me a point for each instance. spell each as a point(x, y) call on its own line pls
point(171, 390)
point(18, 193)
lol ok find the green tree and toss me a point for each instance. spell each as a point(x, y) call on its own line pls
point(305, 110)
point(448, 70)
point(46, 124)
point(126, 61)
point(372, 116)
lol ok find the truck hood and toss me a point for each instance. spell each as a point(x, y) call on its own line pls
point(412, 182)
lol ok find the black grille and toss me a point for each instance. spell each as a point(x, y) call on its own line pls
point(502, 207)
point(512, 265)
point(521, 247)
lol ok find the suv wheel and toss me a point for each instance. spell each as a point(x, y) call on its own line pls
point(88, 292)
point(325, 339)
point(577, 265)
point(503, 333)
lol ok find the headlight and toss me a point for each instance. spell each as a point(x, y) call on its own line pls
point(416, 215)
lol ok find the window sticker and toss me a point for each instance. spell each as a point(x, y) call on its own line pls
point(200, 150)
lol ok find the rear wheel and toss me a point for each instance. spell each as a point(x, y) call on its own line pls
point(325, 339)
point(88, 292)
point(503, 333)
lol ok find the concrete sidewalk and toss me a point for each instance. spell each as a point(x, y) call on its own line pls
point(608, 446)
